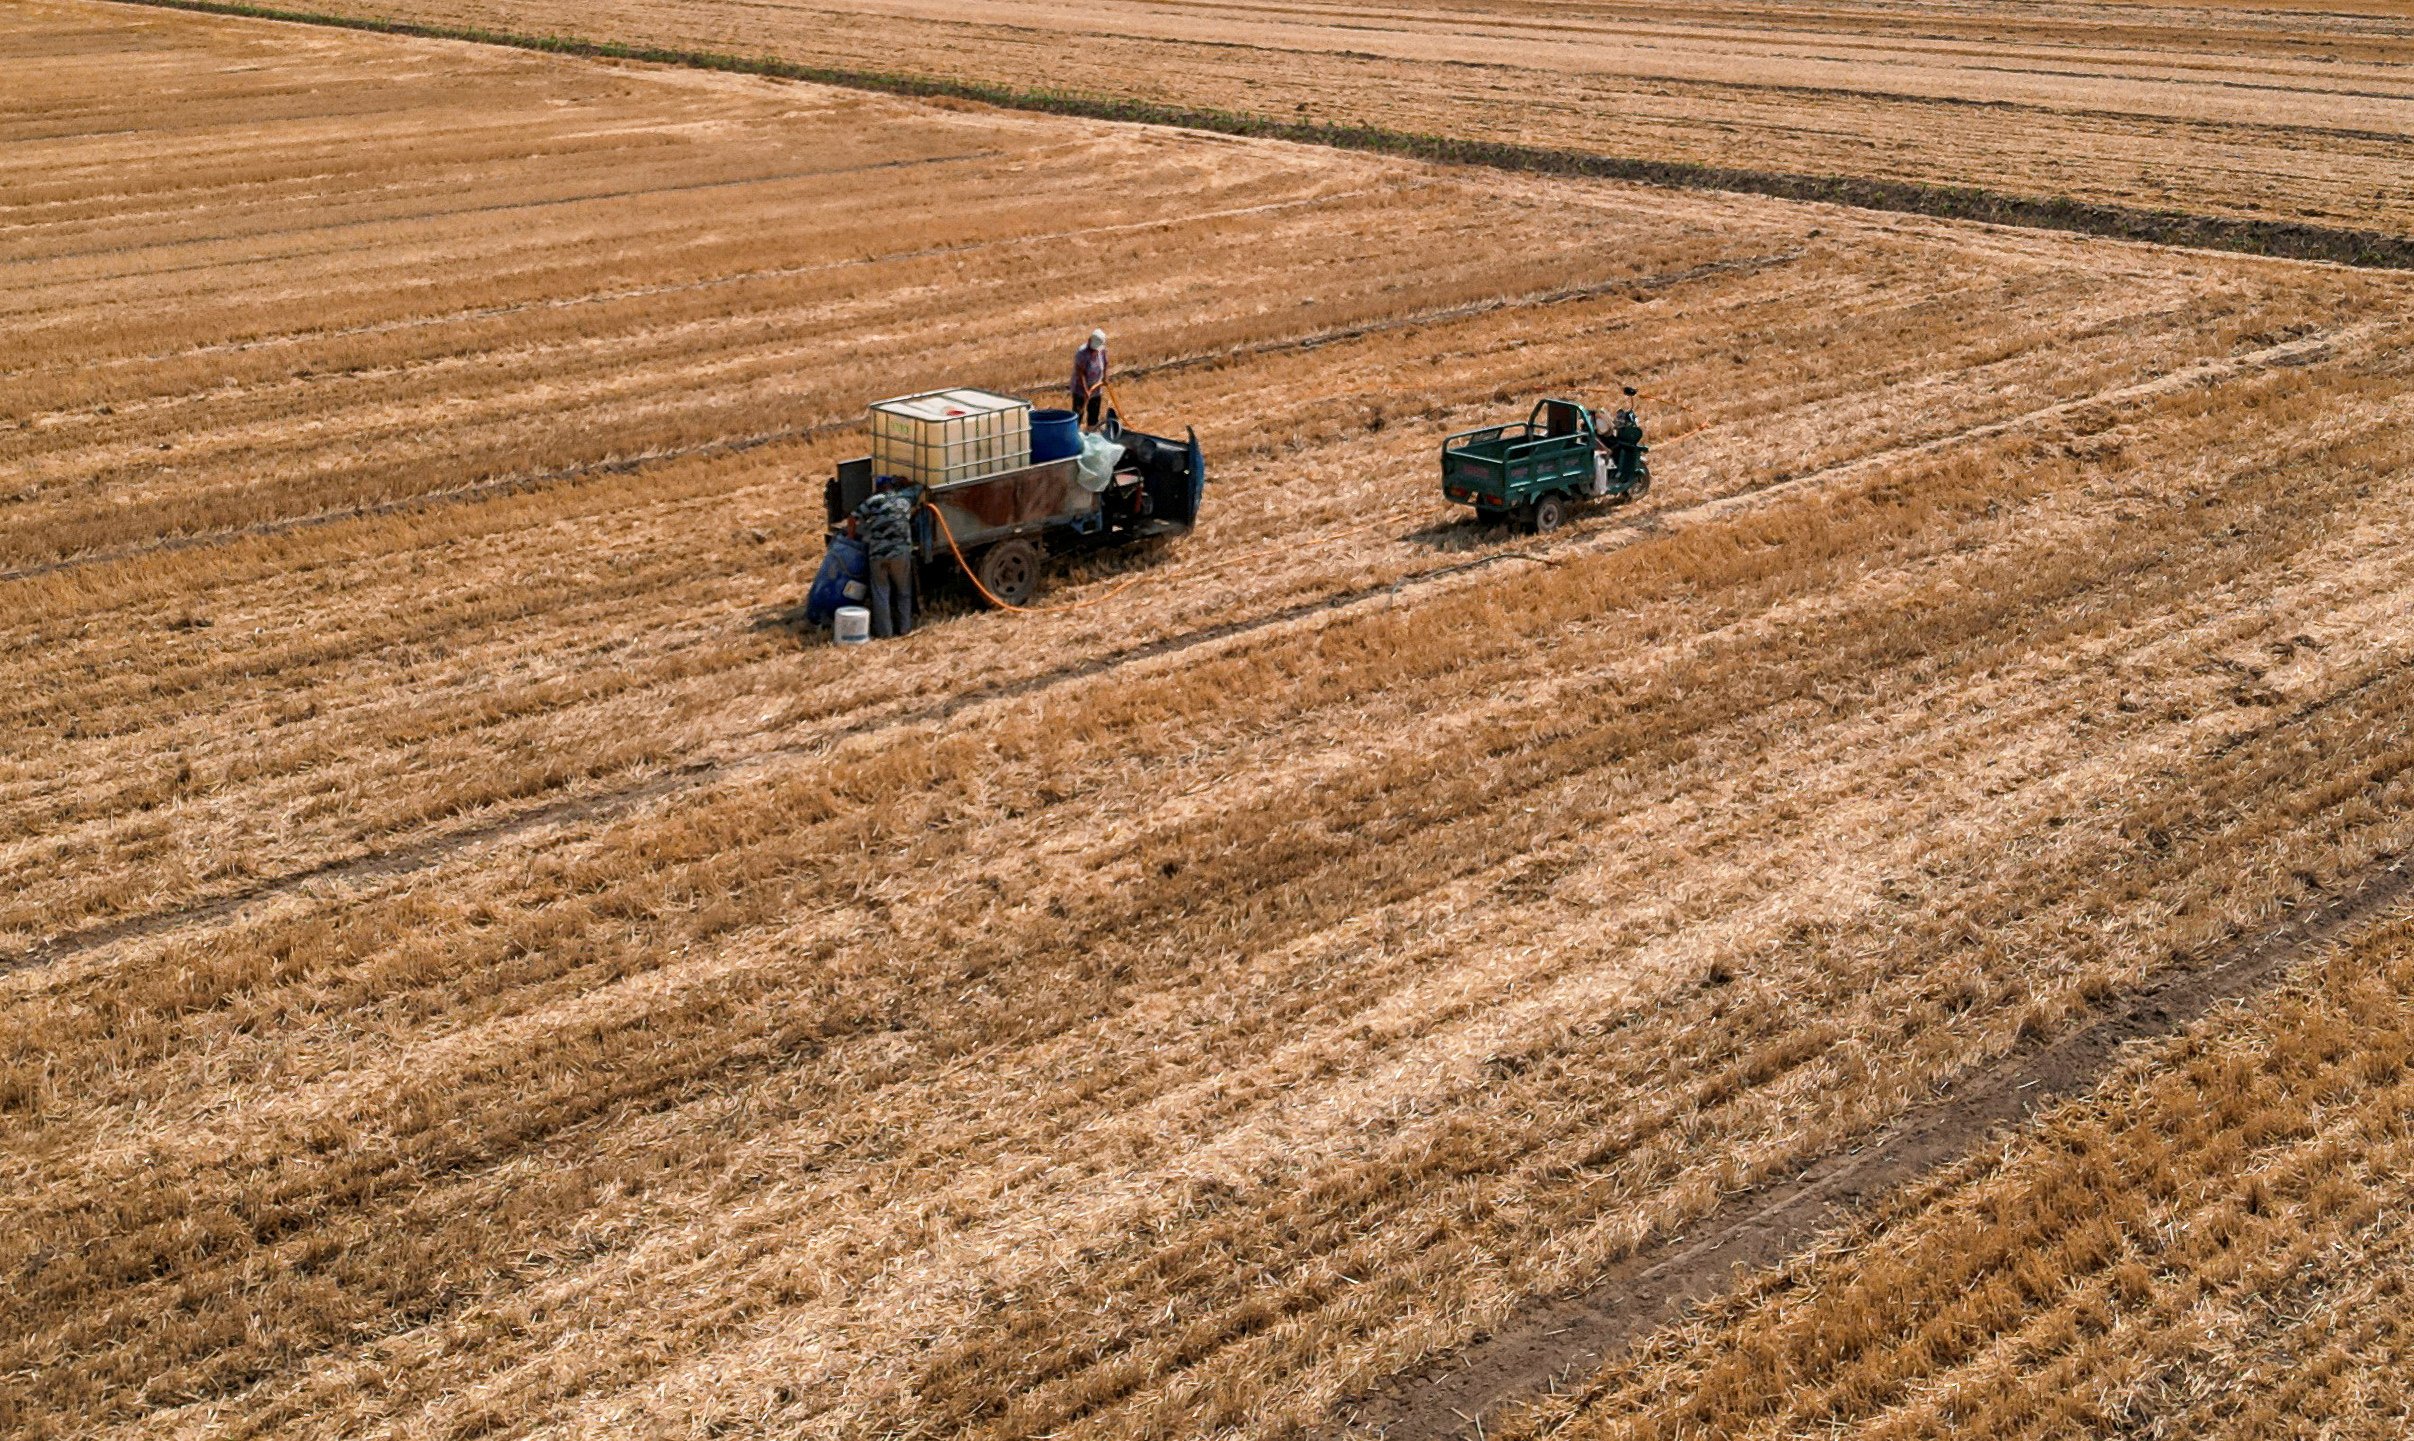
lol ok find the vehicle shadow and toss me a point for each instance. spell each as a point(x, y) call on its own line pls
point(947, 593)
point(1461, 535)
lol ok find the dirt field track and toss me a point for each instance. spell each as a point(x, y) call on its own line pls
point(468, 966)
point(2215, 1245)
point(2259, 110)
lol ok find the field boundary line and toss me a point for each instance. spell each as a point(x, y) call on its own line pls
point(1554, 1343)
point(2274, 239)
point(495, 487)
point(1615, 532)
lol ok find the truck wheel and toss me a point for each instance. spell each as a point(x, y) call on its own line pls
point(1549, 513)
point(1009, 571)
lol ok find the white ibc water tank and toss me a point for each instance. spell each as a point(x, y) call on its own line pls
point(853, 625)
point(948, 435)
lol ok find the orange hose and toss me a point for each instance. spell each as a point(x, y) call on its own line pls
point(969, 574)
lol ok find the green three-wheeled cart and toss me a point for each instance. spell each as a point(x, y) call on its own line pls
point(1534, 472)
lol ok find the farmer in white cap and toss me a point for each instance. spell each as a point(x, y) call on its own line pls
point(1089, 381)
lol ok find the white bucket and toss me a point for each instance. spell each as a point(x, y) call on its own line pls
point(853, 626)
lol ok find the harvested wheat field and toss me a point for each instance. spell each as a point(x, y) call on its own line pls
point(2215, 1245)
point(468, 964)
point(2247, 109)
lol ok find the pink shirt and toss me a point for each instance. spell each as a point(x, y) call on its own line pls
point(1089, 371)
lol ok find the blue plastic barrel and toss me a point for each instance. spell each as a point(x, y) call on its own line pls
point(845, 561)
point(1055, 435)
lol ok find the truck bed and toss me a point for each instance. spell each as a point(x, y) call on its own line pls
point(1047, 497)
point(1503, 464)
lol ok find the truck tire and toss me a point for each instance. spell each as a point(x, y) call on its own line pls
point(1008, 571)
point(1548, 514)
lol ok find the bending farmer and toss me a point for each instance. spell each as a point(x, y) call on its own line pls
point(885, 525)
point(1089, 381)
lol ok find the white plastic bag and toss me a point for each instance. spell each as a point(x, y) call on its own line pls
point(1099, 457)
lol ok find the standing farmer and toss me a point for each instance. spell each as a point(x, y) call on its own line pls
point(1089, 381)
point(885, 525)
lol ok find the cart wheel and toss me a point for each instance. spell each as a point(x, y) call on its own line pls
point(1490, 515)
point(1548, 514)
point(1009, 570)
point(1642, 485)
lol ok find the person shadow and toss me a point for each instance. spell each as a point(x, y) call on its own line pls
point(789, 619)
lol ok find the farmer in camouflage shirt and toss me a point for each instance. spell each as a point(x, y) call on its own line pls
point(885, 525)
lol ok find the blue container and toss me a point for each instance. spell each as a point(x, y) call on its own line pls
point(1055, 435)
point(845, 562)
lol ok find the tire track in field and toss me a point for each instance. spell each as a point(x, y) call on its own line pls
point(738, 445)
point(871, 717)
point(1555, 1342)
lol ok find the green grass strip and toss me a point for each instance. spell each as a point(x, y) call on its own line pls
point(2278, 239)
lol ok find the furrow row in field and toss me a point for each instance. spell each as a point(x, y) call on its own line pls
point(1022, 237)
